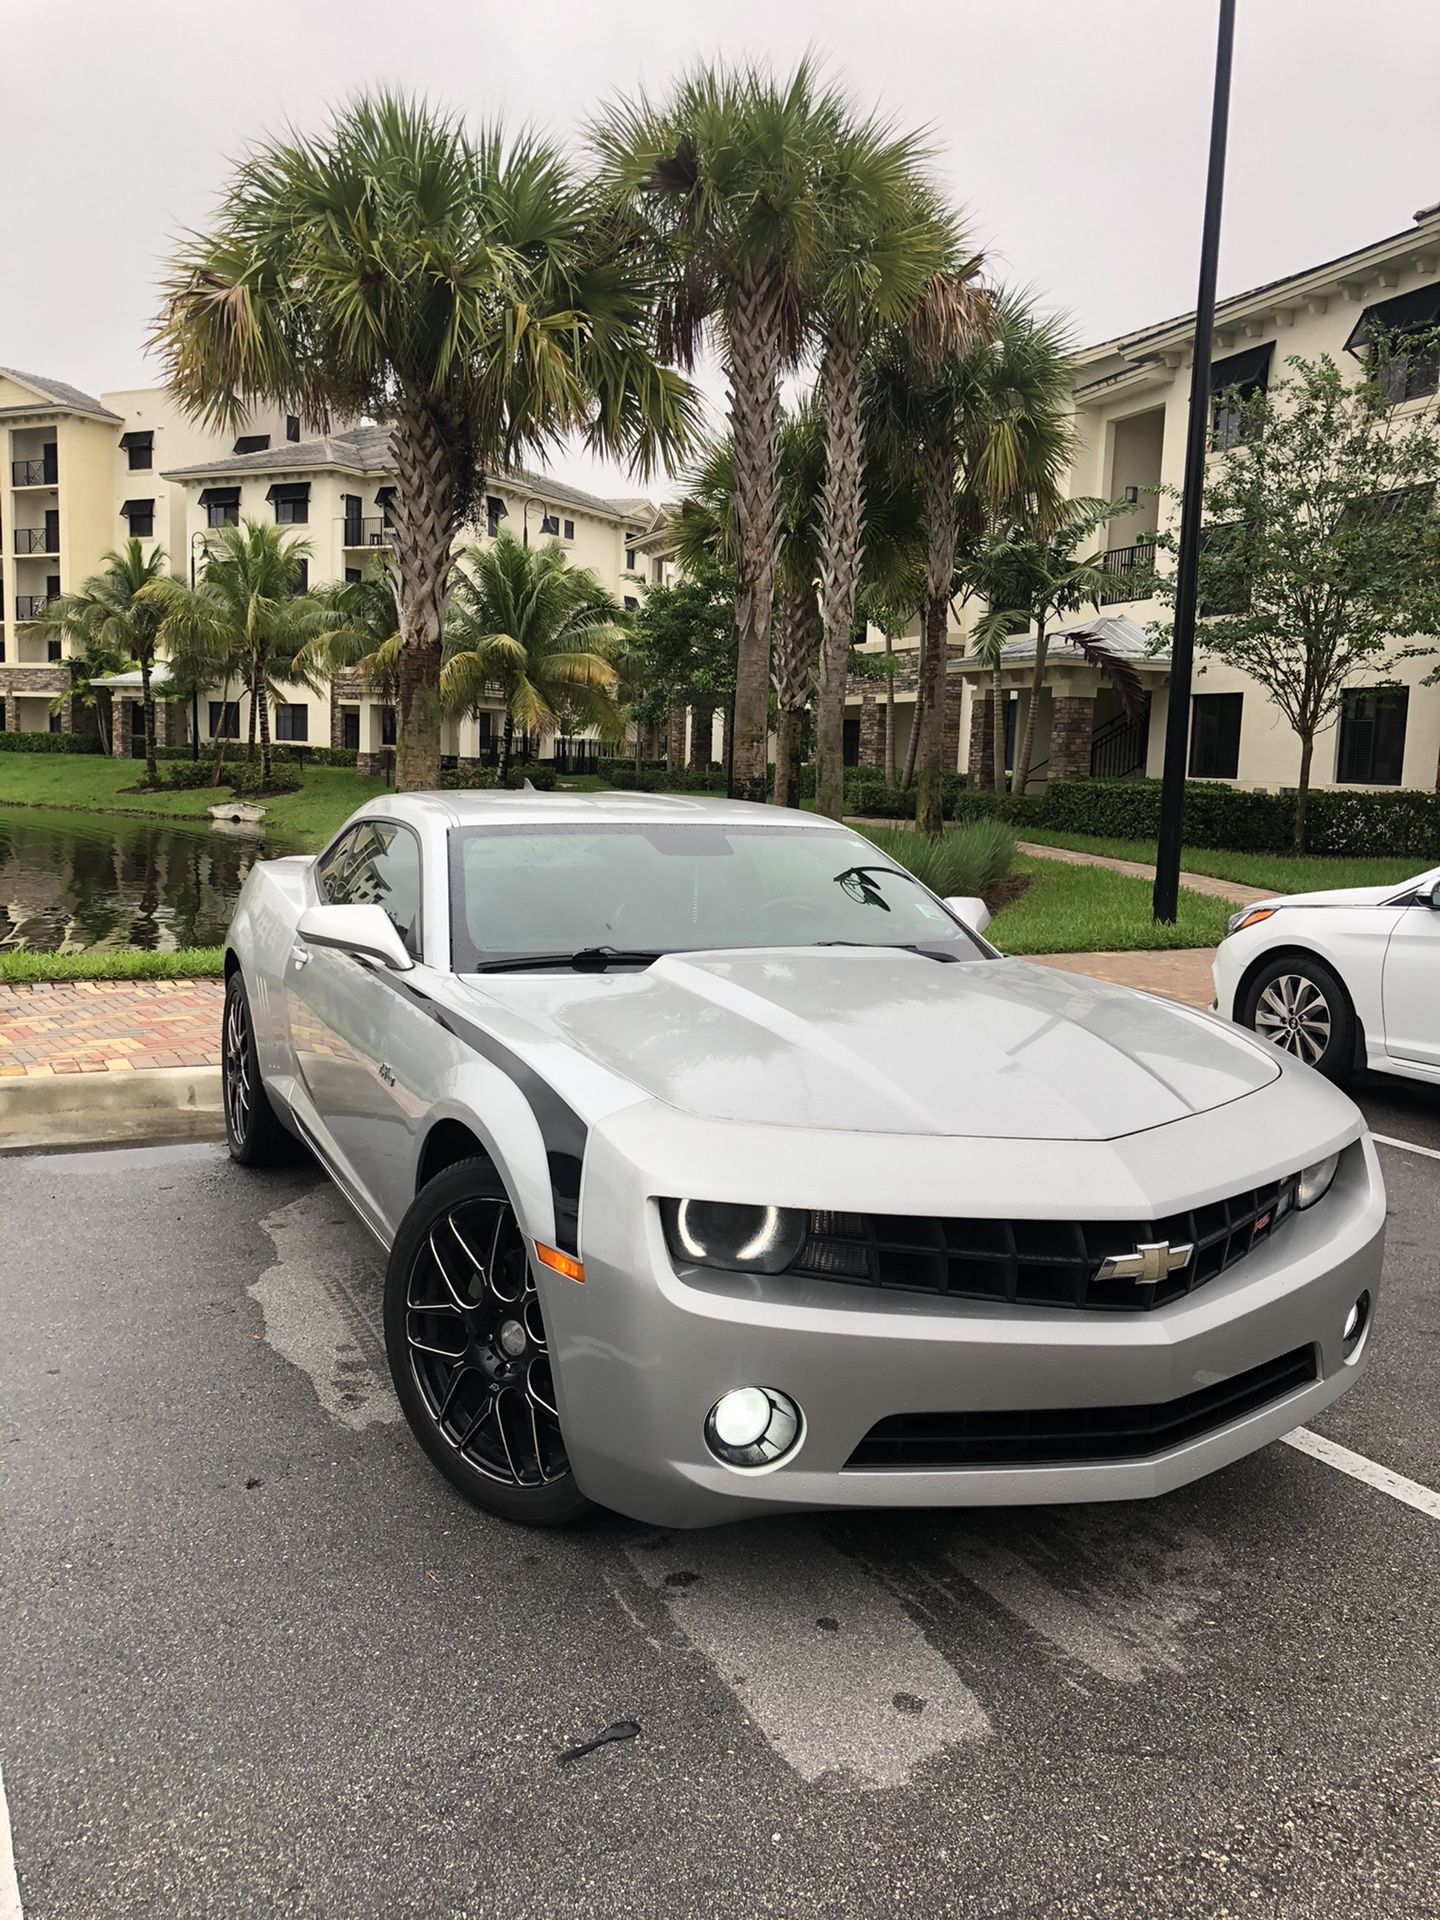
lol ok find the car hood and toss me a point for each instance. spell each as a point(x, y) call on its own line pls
point(1349, 896)
point(887, 1041)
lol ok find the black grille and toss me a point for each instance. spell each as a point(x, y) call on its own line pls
point(1041, 1263)
point(1073, 1435)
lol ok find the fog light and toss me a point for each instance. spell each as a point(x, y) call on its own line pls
point(1357, 1325)
point(753, 1427)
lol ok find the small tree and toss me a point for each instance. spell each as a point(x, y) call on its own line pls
point(681, 650)
point(1318, 558)
point(114, 611)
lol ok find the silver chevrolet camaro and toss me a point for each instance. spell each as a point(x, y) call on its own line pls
point(722, 1168)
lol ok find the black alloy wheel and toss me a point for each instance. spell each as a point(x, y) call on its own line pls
point(254, 1135)
point(468, 1351)
point(1298, 1005)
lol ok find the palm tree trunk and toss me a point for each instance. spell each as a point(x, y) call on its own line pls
point(702, 728)
point(941, 533)
point(1027, 738)
point(194, 723)
point(912, 744)
point(674, 737)
point(997, 732)
point(147, 708)
point(261, 661)
point(797, 649)
point(250, 740)
point(424, 516)
point(788, 730)
point(753, 326)
point(507, 745)
point(841, 518)
point(889, 710)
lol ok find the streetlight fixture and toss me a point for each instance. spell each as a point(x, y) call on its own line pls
point(1166, 897)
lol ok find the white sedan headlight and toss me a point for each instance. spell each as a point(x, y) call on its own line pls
point(1314, 1182)
point(1247, 917)
point(740, 1239)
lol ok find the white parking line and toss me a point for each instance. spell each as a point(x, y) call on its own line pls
point(1408, 1146)
point(9, 1885)
point(1409, 1492)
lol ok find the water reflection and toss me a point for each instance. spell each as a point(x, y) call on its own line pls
point(76, 881)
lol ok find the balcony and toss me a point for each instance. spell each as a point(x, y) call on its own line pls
point(1139, 559)
point(34, 473)
point(30, 606)
point(37, 539)
point(369, 533)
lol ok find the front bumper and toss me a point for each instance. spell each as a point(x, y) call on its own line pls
point(643, 1354)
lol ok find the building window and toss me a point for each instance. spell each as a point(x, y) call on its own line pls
point(352, 575)
point(139, 451)
point(222, 506)
point(351, 507)
point(291, 503)
point(350, 728)
point(302, 577)
point(550, 523)
point(495, 512)
point(1215, 736)
point(292, 426)
point(1234, 381)
point(141, 516)
point(629, 559)
point(54, 650)
point(224, 719)
point(292, 721)
point(387, 726)
point(1397, 340)
point(252, 443)
point(56, 723)
point(1408, 370)
point(1371, 751)
point(657, 573)
point(631, 603)
point(569, 529)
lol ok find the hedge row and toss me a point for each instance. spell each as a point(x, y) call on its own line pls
point(471, 779)
point(1337, 820)
point(50, 743)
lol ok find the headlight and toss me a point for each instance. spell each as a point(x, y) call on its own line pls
point(1248, 917)
point(741, 1239)
point(1314, 1182)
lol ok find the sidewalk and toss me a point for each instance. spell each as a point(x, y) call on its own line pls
point(1139, 870)
point(1181, 974)
point(108, 1026)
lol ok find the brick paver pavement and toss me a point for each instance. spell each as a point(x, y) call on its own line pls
point(121, 1026)
point(109, 1026)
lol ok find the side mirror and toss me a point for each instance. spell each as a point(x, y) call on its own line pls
point(367, 932)
point(1430, 899)
point(972, 910)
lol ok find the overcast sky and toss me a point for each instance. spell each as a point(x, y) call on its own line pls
point(1073, 134)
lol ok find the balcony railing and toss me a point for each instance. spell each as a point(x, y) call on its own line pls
point(37, 539)
point(33, 473)
point(1122, 560)
point(368, 533)
point(30, 606)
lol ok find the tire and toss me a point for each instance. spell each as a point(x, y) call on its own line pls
point(253, 1133)
point(1300, 1005)
point(467, 1350)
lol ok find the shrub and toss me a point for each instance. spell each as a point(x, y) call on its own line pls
point(244, 781)
point(50, 743)
point(468, 779)
point(968, 860)
point(540, 777)
point(188, 773)
point(622, 775)
point(1229, 820)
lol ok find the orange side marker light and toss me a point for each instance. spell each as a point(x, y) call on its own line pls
point(558, 1262)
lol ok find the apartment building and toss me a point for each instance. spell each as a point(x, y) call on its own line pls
point(78, 476)
point(334, 492)
point(1132, 399)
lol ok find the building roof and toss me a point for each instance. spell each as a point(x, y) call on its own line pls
point(366, 450)
point(61, 392)
point(123, 682)
point(1121, 636)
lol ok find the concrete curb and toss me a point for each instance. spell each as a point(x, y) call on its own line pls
point(151, 1108)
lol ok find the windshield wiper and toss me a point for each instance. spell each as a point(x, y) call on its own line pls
point(584, 960)
point(894, 946)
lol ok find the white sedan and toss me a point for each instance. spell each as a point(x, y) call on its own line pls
point(1341, 980)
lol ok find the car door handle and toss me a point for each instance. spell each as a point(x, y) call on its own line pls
point(299, 954)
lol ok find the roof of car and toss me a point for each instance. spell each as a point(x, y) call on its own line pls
point(490, 807)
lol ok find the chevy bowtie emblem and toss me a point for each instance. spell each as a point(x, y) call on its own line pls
point(1150, 1263)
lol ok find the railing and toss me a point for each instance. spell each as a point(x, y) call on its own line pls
point(577, 756)
point(30, 606)
point(37, 540)
point(1137, 559)
point(33, 473)
point(368, 533)
point(1120, 747)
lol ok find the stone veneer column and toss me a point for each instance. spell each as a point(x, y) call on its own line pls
point(982, 742)
point(954, 704)
point(1072, 729)
point(122, 716)
point(872, 728)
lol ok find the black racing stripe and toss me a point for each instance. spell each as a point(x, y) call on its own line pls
point(563, 1131)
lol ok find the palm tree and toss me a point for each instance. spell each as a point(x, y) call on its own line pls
point(114, 614)
point(539, 631)
point(463, 292)
point(247, 616)
point(725, 181)
point(886, 245)
point(983, 423)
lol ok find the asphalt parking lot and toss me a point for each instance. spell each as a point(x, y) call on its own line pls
point(258, 1659)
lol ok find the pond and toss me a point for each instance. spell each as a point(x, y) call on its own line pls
point(77, 882)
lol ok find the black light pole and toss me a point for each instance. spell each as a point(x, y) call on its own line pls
point(1197, 438)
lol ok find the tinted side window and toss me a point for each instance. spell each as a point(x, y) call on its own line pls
point(377, 864)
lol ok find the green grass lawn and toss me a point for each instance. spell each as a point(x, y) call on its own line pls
point(190, 963)
point(304, 820)
point(1068, 909)
point(1281, 872)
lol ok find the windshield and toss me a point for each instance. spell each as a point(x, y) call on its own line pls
point(522, 891)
